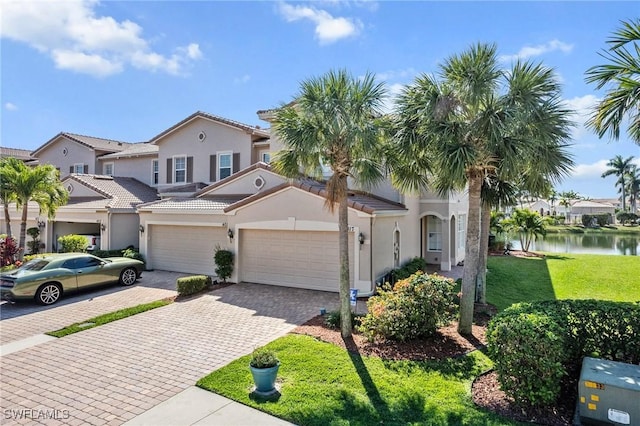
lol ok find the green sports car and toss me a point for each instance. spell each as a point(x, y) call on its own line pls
point(47, 278)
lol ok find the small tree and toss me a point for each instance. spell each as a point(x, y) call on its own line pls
point(224, 262)
point(73, 243)
point(34, 244)
point(8, 250)
point(528, 225)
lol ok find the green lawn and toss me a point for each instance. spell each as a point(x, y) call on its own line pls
point(322, 384)
point(562, 276)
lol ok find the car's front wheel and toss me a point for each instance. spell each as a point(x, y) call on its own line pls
point(48, 294)
point(128, 276)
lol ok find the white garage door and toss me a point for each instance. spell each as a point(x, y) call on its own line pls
point(186, 249)
point(305, 259)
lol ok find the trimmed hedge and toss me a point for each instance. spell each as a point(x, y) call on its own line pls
point(193, 284)
point(534, 345)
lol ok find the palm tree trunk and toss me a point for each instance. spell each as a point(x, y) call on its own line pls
point(7, 218)
point(481, 279)
point(471, 253)
point(23, 229)
point(343, 230)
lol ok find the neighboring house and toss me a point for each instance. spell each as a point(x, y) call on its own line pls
point(20, 154)
point(72, 153)
point(215, 188)
point(583, 207)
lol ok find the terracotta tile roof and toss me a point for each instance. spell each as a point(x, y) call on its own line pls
point(87, 203)
point(134, 150)
point(247, 128)
point(183, 189)
point(98, 144)
point(357, 200)
point(214, 203)
point(209, 188)
point(119, 192)
point(20, 154)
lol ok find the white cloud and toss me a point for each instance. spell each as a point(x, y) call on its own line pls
point(78, 40)
point(590, 171)
point(408, 73)
point(243, 79)
point(533, 51)
point(582, 107)
point(10, 106)
point(328, 29)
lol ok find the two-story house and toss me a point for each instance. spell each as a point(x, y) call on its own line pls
point(205, 182)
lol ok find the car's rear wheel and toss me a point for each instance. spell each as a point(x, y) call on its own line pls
point(48, 294)
point(128, 276)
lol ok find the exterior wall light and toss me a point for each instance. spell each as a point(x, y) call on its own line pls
point(230, 234)
point(141, 228)
point(361, 238)
point(103, 226)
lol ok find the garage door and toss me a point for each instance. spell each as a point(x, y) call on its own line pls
point(186, 249)
point(305, 259)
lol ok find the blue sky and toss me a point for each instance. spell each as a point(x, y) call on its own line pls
point(129, 70)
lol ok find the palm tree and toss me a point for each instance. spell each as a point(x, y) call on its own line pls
point(478, 121)
point(10, 167)
point(333, 122)
point(566, 198)
point(622, 74)
point(553, 197)
point(528, 225)
point(620, 167)
point(633, 186)
point(40, 184)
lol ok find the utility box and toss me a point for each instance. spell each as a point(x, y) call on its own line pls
point(609, 393)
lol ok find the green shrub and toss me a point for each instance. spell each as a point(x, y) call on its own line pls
point(224, 263)
point(411, 267)
point(107, 253)
point(73, 243)
point(602, 219)
point(263, 358)
point(193, 284)
point(34, 244)
point(414, 308)
point(333, 319)
point(133, 254)
point(564, 331)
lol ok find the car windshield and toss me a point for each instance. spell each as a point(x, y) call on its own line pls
point(35, 265)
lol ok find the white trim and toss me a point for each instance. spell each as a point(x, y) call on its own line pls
point(156, 173)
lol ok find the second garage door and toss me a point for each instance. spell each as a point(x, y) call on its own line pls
point(304, 259)
point(187, 249)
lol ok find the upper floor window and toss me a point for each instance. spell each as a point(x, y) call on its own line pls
point(266, 157)
point(155, 172)
point(107, 169)
point(225, 165)
point(434, 234)
point(180, 169)
point(78, 168)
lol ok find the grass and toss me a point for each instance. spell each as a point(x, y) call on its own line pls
point(107, 318)
point(322, 384)
point(562, 276)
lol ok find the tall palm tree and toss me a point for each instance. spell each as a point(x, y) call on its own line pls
point(476, 121)
point(10, 167)
point(620, 168)
point(633, 187)
point(42, 185)
point(333, 122)
point(622, 75)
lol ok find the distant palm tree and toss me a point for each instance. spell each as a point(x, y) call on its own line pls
point(553, 197)
point(334, 122)
point(528, 225)
point(476, 121)
point(566, 201)
point(633, 187)
point(620, 167)
point(622, 75)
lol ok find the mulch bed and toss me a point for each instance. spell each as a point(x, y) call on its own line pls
point(447, 343)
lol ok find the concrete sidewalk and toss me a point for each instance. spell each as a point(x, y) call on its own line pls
point(195, 406)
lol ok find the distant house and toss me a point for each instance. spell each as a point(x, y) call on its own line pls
point(587, 207)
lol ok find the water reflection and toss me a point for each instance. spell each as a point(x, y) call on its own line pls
point(586, 243)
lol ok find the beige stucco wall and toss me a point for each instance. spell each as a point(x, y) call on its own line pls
point(244, 184)
point(123, 230)
point(219, 138)
point(135, 167)
point(76, 153)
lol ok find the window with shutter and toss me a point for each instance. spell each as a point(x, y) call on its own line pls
point(155, 172)
point(180, 169)
point(169, 170)
point(225, 164)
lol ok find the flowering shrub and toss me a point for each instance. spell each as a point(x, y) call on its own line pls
point(414, 308)
point(8, 250)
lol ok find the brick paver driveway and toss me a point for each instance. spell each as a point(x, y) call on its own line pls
point(110, 374)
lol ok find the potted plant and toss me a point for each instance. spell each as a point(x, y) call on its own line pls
point(264, 367)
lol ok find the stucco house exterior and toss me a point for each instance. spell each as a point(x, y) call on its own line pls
point(205, 182)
